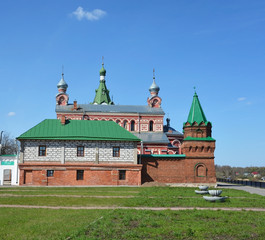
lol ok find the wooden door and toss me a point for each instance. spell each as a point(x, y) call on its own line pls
point(28, 177)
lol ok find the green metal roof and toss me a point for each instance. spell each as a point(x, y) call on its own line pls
point(102, 94)
point(78, 130)
point(208, 139)
point(196, 113)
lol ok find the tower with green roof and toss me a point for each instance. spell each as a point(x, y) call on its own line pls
point(198, 144)
point(102, 93)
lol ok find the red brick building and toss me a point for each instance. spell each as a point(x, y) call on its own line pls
point(164, 154)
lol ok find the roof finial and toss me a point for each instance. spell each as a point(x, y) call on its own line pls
point(62, 71)
point(153, 73)
point(102, 60)
point(195, 90)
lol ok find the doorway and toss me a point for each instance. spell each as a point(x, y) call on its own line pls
point(7, 177)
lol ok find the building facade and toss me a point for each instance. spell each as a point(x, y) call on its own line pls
point(78, 153)
point(158, 153)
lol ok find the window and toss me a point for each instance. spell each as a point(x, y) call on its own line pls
point(116, 151)
point(80, 151)
point(80, 175)
point(50, 173)
point(132, 125)
point(118, 122)
point(122, 174)
point(125, 124)
point(151, 126)
point(42, 150)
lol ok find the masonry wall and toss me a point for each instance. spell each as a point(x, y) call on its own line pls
point(66, 151)
point(35, 174)
point(178, 170)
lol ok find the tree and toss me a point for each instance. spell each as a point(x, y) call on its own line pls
point(8, 145)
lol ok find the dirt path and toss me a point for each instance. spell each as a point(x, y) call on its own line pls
point(58, 195)
point(136, 208)
point(95, 196)
point(252, 190)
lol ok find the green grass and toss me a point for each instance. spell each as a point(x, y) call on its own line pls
point(129, 224)
point(148, 197)
point(20, 223)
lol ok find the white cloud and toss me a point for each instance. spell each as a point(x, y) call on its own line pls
point(241, 99)
point(94, 15)
point(11, 114)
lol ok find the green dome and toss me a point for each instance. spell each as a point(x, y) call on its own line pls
point(102, 71)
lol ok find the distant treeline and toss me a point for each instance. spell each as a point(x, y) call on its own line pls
point(239, 172)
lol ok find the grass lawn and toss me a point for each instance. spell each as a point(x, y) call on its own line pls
point(138, 196)
point(20, 223)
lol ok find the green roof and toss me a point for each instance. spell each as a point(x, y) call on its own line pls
point(78, 130)
point(207, 139)
point(102, 94)
point(196, 113)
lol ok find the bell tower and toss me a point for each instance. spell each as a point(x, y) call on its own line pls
point(198, 145)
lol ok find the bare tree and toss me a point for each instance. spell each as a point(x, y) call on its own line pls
point(8, 145)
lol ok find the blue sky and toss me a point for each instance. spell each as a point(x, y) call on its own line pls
point(217, 46)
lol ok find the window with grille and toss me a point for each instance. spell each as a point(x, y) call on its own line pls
point(42, 150)
point(80, 175)
point(122, 174)
point(50, 173)
point(116, 151)
point(80, 151)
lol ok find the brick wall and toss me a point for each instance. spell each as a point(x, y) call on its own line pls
point(35, 174)
point(178, 170)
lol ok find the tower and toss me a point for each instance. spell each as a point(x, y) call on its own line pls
point(102, 93)
point(154, 100)
point(62, 97)
point(198, 145)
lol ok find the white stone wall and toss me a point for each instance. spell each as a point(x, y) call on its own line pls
point(13, 168)
point(66, 151)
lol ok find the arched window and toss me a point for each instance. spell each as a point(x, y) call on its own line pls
point(200, 170)
point(151, 126)
point(132, 125)
point(125, 124)
point(118, 122)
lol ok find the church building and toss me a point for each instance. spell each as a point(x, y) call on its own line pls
point(158, 152)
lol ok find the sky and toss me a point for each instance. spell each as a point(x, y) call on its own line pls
point(216, 46)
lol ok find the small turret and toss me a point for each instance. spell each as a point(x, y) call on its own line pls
point(62, 97)
point(62, 85)
point(154, 100)
point(102, 93)
point(154, 88)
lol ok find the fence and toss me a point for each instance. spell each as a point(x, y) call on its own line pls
point(242, 182)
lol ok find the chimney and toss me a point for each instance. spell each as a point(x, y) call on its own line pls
point(63, 120)
point(75, 105)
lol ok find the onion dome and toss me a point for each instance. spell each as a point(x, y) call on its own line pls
point(102, 71)
point(154, 87)
point(62, 85)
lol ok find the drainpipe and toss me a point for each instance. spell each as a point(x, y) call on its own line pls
point(1, 143)
point(139, 118)
point(140, 160)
